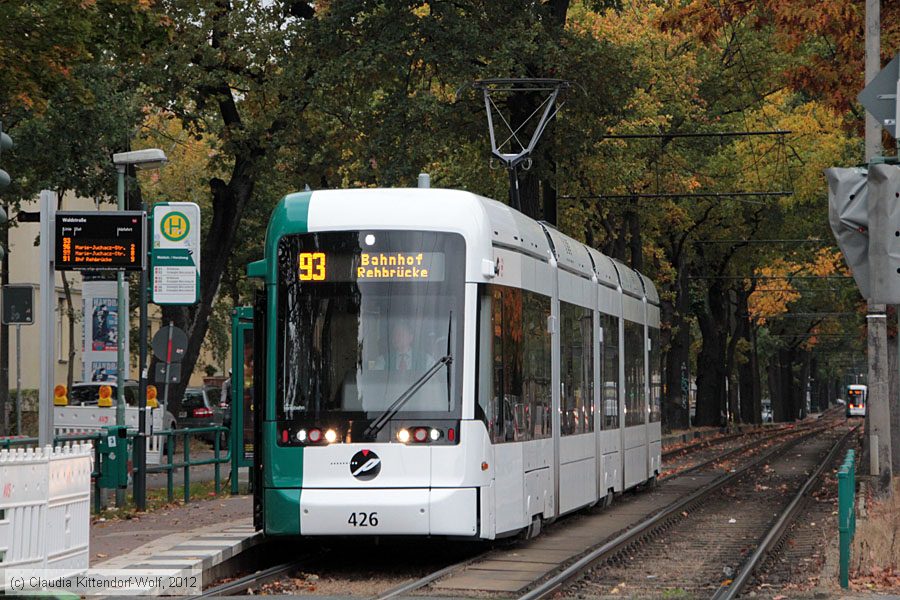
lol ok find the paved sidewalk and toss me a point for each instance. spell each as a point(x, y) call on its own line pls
point(165, 528)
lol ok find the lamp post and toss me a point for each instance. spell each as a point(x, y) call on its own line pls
point(151, 158)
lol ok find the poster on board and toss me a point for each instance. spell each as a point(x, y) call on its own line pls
point(101, 339)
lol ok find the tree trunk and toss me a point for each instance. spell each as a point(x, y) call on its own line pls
point(635, 243)
point(228, 203)
point(787, 399)
point(773, 373)
point(803, 385)
point(711, 376)
point(677, 340)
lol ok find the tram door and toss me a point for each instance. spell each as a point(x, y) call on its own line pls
point(241, 395)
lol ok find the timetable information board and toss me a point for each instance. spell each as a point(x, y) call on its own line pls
point(97, 241)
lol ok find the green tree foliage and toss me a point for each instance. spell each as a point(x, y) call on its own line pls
point(253, 100)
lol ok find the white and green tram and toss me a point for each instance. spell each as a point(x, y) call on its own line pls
point(430, 362)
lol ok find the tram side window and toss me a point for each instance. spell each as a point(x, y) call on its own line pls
point(537, 366)
point(507, 415)
point(576, 347)
point(635, 402)
point(520, 406)
point(609, 371)
point(656, 384)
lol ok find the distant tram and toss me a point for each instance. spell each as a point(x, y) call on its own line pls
point(856, 400)
point(433, 363)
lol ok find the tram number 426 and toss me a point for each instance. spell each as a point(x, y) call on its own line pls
point(363, 519)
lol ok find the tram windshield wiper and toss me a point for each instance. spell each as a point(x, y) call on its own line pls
point(379, 423)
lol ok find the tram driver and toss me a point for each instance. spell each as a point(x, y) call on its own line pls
point(404, 355)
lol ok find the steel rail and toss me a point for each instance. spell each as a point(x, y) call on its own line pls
point(775, 533)
point(243, 583)
point(423, 581)
point(623, 540)
point(725, 437)
point(759, 441)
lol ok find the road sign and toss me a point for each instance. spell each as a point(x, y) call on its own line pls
point(161, 348)
point(18, 304)
point(162, 370)
point(107, 240)
point(175, 255)
point(880, 96)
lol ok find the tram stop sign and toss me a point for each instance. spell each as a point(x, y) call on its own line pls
point(160, 344)
point(18, 305)
point(175, 253)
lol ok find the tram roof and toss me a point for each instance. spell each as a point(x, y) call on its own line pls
point(512, 229)
point(629, 279)
point(604, 268)
point(570, 254)
point(649, 289)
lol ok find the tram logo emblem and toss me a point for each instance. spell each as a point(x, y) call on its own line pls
point(365, 465)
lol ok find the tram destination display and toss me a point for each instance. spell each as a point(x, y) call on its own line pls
point(370, 266)
point(108, 240)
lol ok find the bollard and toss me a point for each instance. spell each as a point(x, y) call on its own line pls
point(846, 476)
point(187, 467)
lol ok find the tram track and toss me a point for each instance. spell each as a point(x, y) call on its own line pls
point(406, 586)
point(728, 446)
point(253, 580)
point(681, 535)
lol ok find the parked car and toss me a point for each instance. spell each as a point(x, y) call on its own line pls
point(87, 393)
point(200, 407)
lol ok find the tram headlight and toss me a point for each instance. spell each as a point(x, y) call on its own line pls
point(435, 435)
point(330, 436)
point(403, 435)
point(301, 435)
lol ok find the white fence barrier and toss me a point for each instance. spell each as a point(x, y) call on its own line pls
point(89, 419)
point(45, 498)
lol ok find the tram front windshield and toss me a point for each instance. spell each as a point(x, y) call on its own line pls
point(364, 315)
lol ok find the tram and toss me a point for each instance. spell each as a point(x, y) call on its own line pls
point(856, 400)
point(430, 362)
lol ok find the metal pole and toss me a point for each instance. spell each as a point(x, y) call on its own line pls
point(122, 316)
point(168, 364)
point(47, 329)
point(121, 324)
point(19, 379)
point(877, 408)
point(140, 449)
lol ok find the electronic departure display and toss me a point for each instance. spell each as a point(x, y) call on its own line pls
point(371, 266)
point(108, 240)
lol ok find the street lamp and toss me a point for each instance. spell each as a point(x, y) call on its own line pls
point(151, 158)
